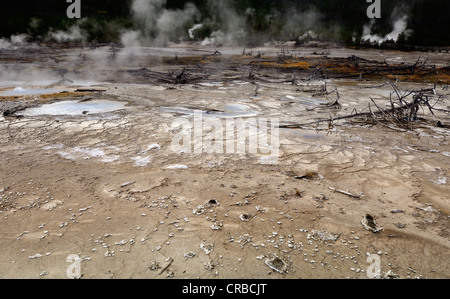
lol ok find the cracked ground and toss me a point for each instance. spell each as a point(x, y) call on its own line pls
point(109, 188)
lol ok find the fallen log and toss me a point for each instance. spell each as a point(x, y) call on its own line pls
point(405, 113)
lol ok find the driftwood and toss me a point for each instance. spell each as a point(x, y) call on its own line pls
point(89, 90)
point(11, 112)
point(345, 192)
point(398, 114)
point(166, 267)
point(182, 77)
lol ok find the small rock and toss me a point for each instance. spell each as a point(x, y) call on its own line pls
point(43, 273)
point(400, 225)
point(325, 236)
point(277, 264)
point(207, 248)
point(154, 266)
point(245, 217)
point(217, 225)
point(189, 255)
point(370, 224)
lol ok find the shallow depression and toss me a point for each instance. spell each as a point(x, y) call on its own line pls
point(75, 108)
point(20, 91)
point(232, 111)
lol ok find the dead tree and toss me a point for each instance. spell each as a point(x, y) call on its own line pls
point(402, 114)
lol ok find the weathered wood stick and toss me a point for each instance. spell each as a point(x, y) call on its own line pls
point(345, 192)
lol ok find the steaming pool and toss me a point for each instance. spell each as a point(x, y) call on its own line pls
point(71, 108)
point(20, 91)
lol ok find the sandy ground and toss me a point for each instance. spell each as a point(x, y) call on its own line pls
point(108, 188)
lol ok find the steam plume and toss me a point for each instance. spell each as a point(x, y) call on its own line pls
point(157, 25)
point(399, 20)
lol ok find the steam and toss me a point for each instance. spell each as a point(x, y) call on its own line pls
point(14, 41)
point(73, 34)
point(158, 25)
point(227, 24)
point(303, 24)
point(307, 35)
point(19, 39)
point(221, 24)
point(400, 26)
point(193, 29)
point(399, 20)
point(233, 28)
point(217, 38)
point(154, 25)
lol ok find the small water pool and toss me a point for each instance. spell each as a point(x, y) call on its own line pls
point(72, 108)
point(19, 91)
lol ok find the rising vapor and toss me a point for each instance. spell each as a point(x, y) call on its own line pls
point(399, 20)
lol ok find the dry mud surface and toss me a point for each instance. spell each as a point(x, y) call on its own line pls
point(107, 186)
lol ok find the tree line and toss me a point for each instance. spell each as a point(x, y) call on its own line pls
point(428, 21)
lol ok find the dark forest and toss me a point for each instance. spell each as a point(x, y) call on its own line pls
point(427, 20)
